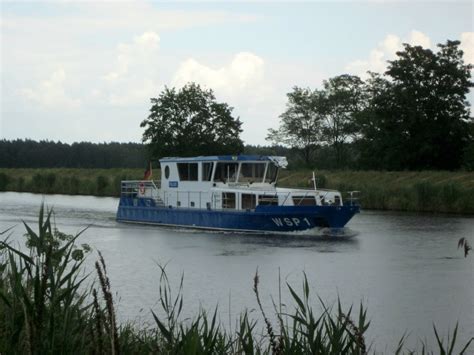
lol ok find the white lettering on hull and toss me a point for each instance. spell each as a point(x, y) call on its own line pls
point(290, 222)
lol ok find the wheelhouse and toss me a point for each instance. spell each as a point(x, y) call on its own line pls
point(233, 183)
point(221, 170)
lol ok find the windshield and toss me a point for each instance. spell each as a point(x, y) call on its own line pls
point(226, 172)
point(272, 172)
point(252, 172)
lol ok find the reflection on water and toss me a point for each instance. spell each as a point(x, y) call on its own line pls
point(405, 268)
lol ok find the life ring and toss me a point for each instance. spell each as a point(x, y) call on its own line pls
point(141, 188)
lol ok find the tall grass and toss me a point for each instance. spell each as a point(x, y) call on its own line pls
point(97, 182)
point(49, 306)
point(429, 191)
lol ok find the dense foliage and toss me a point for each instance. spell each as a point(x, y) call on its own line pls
point(190, 122)
point(48, 154)
point(416, 116)
point(321, 118)
point(300, 123)
point(49, 305)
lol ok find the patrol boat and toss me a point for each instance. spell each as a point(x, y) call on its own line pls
point(232, 193)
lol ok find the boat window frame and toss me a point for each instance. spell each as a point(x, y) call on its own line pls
point(271, 198)
point(300, 200)
point(255, 179)
point(210, 172)
point(188, 171)
point(274, 180)
point(224, 200)
point(253, 201)
point(226, 179)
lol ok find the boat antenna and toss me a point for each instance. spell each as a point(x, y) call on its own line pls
point(314, 181)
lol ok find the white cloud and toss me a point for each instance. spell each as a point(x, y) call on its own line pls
point(418, 38)
point(245, 71)
point(467, 45)
point(386, 50)
point(51, 93)
point(134, 77)
point(242, 83)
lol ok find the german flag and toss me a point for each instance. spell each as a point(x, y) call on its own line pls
point(148, 172)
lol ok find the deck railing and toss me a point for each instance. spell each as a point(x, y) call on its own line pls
point(219, 199)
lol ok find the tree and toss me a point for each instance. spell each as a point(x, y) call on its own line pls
point(300, 125)
point(344, 100)
point(419, 118)
point(190, 122)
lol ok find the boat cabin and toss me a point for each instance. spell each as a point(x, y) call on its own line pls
point(220, 171)
point(232, 183)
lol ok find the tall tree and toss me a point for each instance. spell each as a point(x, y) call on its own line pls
point(191, 122)
point(344, 100)
point(419, 118)
point(300, 125)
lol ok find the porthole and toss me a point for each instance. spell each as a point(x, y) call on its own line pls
point(167, 171)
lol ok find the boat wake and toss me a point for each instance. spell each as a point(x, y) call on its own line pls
point(314, 233)
point(330, 233)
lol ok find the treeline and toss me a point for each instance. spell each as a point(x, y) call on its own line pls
point(415, 116)
point(28, 153)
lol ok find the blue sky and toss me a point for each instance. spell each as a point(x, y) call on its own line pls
point(84, 71)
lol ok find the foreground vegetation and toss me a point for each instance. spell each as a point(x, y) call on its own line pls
point(428, 191)
point(48, 307)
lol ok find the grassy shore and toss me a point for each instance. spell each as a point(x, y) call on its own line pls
point(48, 306)
point(97, 182)
point(425, 191)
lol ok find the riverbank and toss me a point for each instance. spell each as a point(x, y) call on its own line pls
point(425, 191)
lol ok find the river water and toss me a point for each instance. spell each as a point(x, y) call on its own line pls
point(405, 268)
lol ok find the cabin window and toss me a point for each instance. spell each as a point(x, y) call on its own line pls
point(207, 171)
point(228, 200)
point(167, 172)
point(272, 171)
point(249, 201)
point(226, 172)
point(188, 171)
point(304, 201)
point(266, 200)
point(252, 172)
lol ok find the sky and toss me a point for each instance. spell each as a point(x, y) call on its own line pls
point(86, 70)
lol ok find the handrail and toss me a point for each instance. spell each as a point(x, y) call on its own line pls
point(286, 198)
point(134, 188)
point(301, 199)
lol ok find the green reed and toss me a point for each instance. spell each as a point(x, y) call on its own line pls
point(424, 191)
point(48, 305)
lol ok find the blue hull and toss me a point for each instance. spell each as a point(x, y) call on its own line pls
point(262, 219)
